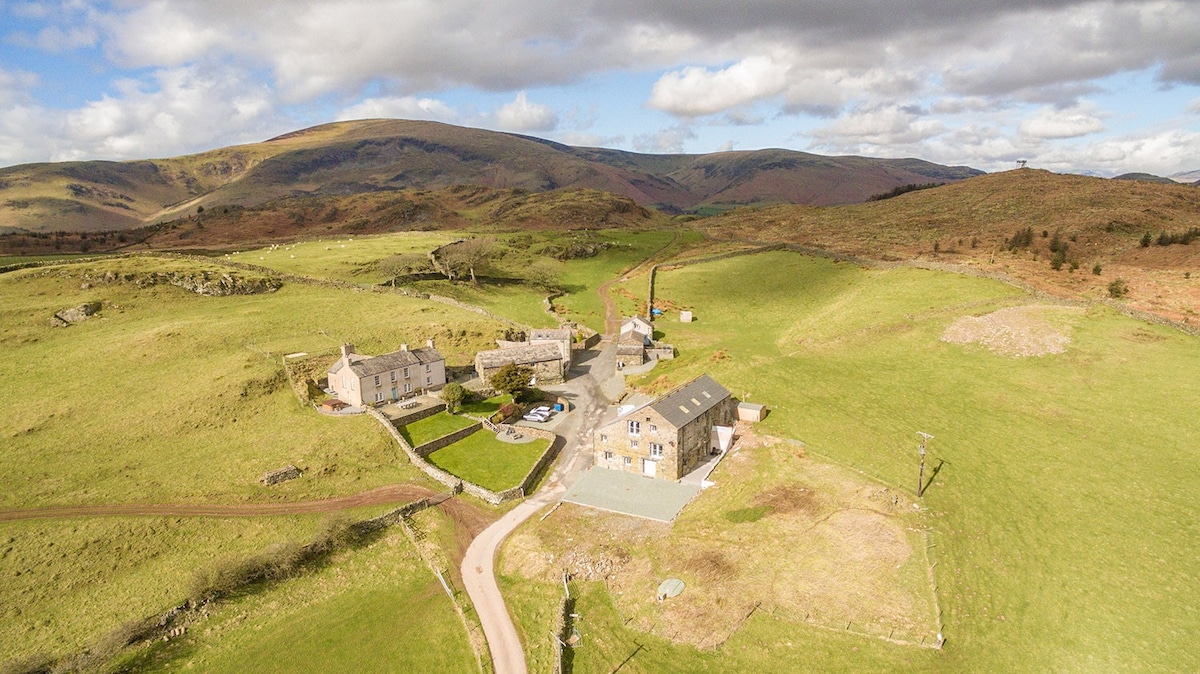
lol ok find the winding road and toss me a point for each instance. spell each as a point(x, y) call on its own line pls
point(478, 566)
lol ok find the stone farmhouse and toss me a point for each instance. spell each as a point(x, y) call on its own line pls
point(364, 380)
point(671, 436)
point(547, 352)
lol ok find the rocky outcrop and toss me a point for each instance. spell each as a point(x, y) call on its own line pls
point(284, 474)
point(209, 283)
point(75, 315)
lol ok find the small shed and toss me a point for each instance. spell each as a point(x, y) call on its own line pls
point(751, 412)
point(685, 317)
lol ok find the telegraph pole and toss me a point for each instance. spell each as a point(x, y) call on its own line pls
point(921, 475)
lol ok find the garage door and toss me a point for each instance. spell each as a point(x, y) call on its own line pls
point(649, 468)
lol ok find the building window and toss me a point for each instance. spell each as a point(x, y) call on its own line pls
point(393, 376)
point(427, 368)
point(408, 388)
point(378, 397)
point(633, 444)
point(628, 461)
point(603, 438)
point(429, 381)
point(653, 428)
point(406, 373)
point(377, 380)
point(608, 456)
point(635, 428)
point(655, 450)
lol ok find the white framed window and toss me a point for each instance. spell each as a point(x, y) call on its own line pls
point(635, 427)
point(653, 428)
point(379, 397)
point(377, 380)
point(633, 444)
point(604, 438)
point(655, 450)
point(393, 376)
point(406, 373)
point(428, 368)
point(628, 461)
point(429, 381)
point(408, 388)
point(608, 456)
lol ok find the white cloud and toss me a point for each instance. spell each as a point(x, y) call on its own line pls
point(882, 126)
point(402, 107)
point(522, 115)
point(1054, 123)
point(694, 91)
point(666, 141)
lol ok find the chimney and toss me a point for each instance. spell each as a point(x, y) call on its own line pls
point(429, 343)
point(404, 347)
point(347, 349)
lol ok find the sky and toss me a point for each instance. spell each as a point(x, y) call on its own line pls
point(1086, 87)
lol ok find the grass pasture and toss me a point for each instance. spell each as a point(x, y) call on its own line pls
point(373, 609)
point(349, 258)
point(1062, 498)
point(169, 396)
point(67, 582)
point(488, 462)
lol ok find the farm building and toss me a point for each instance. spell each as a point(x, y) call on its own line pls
point(635, 343)
point(545, 359)
point(357, 379)
point(751, 412)
point(560, 337)
point(671, 436)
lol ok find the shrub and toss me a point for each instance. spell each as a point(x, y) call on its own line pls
point(454, 394)
point(1118, 288)
point(1096, 269)
point(1146, 239)
point(1056, 262)
point(1021, 239)
point(511, 379)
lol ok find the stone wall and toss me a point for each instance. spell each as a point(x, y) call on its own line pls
point(416, 459)
point(417, 415)
point(445, 441)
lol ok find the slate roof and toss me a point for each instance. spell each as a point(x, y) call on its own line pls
point(392, 361)
point(687, 402)
point(519, 355)
point(557, 334)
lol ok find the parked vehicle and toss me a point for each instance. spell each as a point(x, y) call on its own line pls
point(538, 415)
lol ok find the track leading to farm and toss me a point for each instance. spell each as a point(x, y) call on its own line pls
point(612, 320)
point(396, 493)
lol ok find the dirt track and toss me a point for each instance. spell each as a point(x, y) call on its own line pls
point(396, 493)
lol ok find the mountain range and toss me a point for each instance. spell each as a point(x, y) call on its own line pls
point(348, 158)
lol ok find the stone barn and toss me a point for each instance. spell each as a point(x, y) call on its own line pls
point(671, 436)
point(545, 359)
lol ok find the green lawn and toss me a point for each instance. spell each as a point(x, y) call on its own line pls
point(433, 427)
point(513, 301)
point(488, 407)
point(171, 396)
point(351, 258)
point(376, 609)
point(488, 462)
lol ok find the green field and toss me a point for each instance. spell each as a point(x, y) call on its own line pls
point(69, 581)
point(351, 259)
point(1064, 513)
point(488, 462)
point(171, 396)
point(433, 427)
point(374, 609)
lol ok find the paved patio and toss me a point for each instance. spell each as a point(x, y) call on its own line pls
point(630, 494)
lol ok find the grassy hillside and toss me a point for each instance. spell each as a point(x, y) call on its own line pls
point(1101, 222)
point(1061, 508)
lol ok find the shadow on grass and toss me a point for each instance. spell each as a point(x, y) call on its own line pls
point(933, 474)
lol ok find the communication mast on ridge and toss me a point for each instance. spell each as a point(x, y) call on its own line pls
point(1021, 163)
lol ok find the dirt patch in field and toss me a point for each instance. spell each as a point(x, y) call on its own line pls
point(781, 532)
point(1018, 332)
